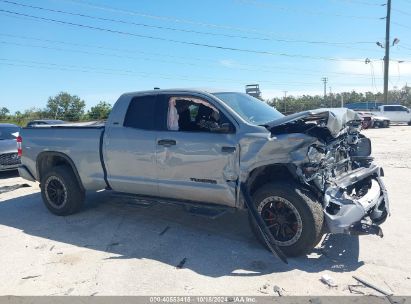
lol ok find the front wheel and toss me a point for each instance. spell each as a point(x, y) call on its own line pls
point(294, 218)
point(61, 192)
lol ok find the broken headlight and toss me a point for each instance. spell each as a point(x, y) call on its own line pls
point(315, 154)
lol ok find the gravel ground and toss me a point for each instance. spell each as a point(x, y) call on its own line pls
point(118, 247)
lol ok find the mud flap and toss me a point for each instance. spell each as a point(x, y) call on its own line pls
point(265, 232)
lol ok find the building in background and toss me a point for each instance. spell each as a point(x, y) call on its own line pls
point(253, 90)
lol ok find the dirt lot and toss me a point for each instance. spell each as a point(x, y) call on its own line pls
point(118, 247)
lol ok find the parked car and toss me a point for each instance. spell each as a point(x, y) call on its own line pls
point(371, 120)
point(395, 113)
point(42, 122)
point(298, 176)
point(9, 160)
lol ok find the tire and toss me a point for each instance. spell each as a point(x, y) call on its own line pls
point(377, 124)
point(409, 123)
point(61, 192)
point(306, 212)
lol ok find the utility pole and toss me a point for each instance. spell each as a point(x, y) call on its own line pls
point(387, 51)
point(331, 97)
point(285, 102)
point(325, 80)
point(342, 101)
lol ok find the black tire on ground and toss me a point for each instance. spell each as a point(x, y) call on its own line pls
point(386, 124)
point(377, 124)
point(302, 209)
point(409, 123)
point(61, 191)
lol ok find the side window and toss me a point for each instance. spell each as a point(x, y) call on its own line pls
point(389, 108)
point(141, 113)
point(192, 114)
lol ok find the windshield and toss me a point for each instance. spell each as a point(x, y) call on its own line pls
point(249, 108)
point(9, 132)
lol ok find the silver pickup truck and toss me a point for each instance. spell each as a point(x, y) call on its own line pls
point(298, 176)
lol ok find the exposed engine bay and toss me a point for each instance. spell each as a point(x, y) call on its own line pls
point(339, 169)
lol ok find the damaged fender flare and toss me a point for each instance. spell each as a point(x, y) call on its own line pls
point(268, 238)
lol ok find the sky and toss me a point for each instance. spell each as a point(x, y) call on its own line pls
point(98, 50)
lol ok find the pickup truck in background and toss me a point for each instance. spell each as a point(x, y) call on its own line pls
point(395, 113)
point(298, 176)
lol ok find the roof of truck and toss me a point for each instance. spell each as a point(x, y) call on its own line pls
point(191, 90)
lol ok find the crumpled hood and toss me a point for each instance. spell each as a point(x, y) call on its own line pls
point(335, 119)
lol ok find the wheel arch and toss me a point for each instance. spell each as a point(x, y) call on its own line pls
point(49, 159)
point(270, 173)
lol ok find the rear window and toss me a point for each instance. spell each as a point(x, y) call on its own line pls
point(9, 132)
point(141, 113)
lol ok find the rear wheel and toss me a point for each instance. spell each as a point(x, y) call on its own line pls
point(61, 192)
point(386, 124)
point(377, 124)
point(294, 218)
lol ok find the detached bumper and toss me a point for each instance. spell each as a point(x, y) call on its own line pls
point(348, 210)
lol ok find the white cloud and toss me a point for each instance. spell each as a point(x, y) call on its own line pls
point(228, 63)
point(356, 67)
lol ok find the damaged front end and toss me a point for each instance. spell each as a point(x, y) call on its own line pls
point(339, 169)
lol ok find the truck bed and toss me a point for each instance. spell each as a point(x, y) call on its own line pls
point(80, 143)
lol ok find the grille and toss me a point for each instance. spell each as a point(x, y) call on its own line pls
point(9, 159)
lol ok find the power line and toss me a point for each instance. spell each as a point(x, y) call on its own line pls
point(88, 69)
point(401, 12)
point(360, 2)
point(174, 19)
point(307, 12)
point(315, 42)
point(128, 73)
point(178, 41)
point(132, 23)
point(267, 69)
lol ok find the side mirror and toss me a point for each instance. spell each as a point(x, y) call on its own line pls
point(224, 128)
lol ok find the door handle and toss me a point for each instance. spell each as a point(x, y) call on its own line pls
point(227, 149)
point(167, 142)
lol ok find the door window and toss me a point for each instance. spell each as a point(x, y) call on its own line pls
point(192, 114)
point(141, 113)
point(389, 108)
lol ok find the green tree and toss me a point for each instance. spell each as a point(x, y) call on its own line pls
point(65, 106)
point(4, 112)
point(100, 111)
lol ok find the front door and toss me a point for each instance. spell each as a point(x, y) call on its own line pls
point(197, 153)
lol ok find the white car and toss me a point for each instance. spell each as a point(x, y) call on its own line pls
point(9, 159)
point(395, 113)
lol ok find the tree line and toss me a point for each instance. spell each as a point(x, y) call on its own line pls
point(292, 104)
point(63, 106)
point(69, 107)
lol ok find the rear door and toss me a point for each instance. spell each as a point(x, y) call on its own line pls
point(194, 162)
point(130, 149)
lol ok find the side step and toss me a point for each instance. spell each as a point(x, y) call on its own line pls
point(207, 210)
